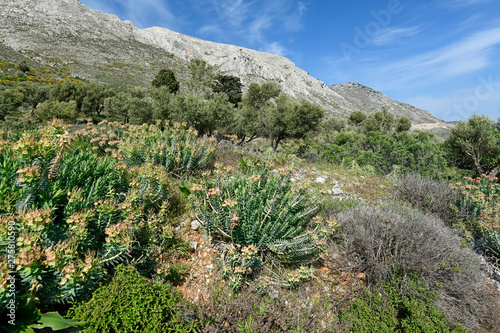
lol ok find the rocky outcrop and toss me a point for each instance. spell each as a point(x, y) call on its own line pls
point(102, 48)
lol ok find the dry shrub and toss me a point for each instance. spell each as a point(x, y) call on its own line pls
point(388, 239)
point(274, 310)
point(428, 195)
point(227, 153)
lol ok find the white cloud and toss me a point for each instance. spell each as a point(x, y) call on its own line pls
point(275, 48)
point(147, 13)
point(466, 2)
point(481, 95)
point(441, 107)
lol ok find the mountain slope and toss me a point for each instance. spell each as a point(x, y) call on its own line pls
point(100, 47)
point(368, 100)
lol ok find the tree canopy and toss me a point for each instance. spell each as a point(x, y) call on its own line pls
point(474, 144)
point(266, 111)
point(229, 85)
point(166, 78)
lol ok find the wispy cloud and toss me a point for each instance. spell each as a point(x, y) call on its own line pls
point(389, 36)
point(466, 2)
point(462, 103)
point(147, 13)
point(144, 13)
point(252, 20)
point(467, 55)
point(275, 48)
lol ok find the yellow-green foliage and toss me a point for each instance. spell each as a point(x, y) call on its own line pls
point(41, 75)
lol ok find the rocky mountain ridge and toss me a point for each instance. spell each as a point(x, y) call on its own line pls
point(100, 47)
point(369, 100)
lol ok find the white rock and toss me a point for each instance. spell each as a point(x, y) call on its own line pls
point(321, 179)
point(336, 190)
point(195, 225)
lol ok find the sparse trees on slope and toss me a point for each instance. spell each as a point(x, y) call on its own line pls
point(10, 100)
point(60, 110)
point(292, 120)
point(382, 121)
point(93, 95)
point(117, 106)
point(251, 118)
point(403, 124)
point(267, 112)
point(205, 116)
point(35, 94)
point(356, 118)
point(162, 97)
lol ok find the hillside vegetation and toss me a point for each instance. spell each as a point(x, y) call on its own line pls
point(195, 207)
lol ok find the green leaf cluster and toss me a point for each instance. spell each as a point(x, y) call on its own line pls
point(416, 152)
point(130, 303)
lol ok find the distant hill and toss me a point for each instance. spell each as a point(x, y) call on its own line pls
point(102, 48)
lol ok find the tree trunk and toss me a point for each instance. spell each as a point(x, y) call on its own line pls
point(479, 168)
point(494, 172)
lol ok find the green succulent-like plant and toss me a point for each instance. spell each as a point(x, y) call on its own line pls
point(259, 212)
point(71, 215)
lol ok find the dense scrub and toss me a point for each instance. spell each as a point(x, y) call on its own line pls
point(392, 242)
point(71, 213)
point(107, 202)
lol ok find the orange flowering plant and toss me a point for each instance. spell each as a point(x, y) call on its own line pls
point(481, 197)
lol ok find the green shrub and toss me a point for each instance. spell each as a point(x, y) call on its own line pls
point(129, 303)
point(77, 215)
point(411, 152)
point(397, 306)
point(61, 110)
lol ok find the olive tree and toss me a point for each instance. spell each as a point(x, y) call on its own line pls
point(473, 144)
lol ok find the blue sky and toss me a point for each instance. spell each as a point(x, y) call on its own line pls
point(442, 56)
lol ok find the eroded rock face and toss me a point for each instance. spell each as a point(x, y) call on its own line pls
point(102, 48)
